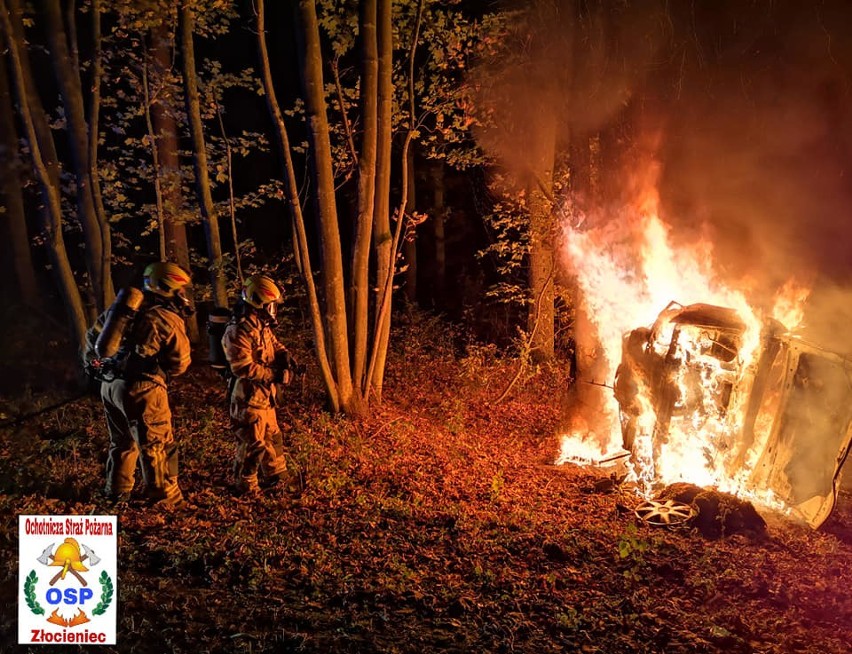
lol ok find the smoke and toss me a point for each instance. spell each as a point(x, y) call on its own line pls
point(757, 140)
point(828, 314)
point(565, 69)
point(747, 106)
point(744, 111)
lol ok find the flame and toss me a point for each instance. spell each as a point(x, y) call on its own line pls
point(78, 619)
point(627, 271)
point(55, 618)
point(788, 309)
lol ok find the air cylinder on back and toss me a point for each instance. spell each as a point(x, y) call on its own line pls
point(217, 321)
point(120, 315)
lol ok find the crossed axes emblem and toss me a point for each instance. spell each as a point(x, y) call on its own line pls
point(67, 556)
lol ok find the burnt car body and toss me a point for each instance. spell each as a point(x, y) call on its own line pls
point(775, 413)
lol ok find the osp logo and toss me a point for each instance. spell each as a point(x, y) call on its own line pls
point(66, 572)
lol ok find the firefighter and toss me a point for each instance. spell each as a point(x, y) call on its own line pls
point(257, 362)
point(134, 387)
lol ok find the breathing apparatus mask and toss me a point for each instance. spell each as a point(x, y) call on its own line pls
point(181, 304)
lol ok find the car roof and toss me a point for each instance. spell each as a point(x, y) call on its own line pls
point(709, 315)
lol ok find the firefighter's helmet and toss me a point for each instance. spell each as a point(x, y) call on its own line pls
point(260, 290)
point(166, 279)
point(263, 294)
point(67, 555)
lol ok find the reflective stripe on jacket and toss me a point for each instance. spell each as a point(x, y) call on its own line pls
point(251, 348)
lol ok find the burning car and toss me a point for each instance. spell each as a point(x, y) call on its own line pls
point(708, 397)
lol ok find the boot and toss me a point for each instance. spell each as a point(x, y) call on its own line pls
point(248, 485)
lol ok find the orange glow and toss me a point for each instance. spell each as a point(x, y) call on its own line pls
point(788, 305)
point(628, 271)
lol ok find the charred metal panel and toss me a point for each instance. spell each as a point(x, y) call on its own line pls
point(790, 420)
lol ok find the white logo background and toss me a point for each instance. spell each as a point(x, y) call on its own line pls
point(67, 611)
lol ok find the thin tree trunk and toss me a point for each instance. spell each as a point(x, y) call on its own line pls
point(94, 136)
point(71, 19)
point(232, 210)
point(14, 218)
point(410, 243)
point(30, 116)
point(541, 316)
point(202, 178)
point(381, 340)
point(68, 79)
point(381, 216)
point(439, 283)
point(360, 278)
point(591, 366)
point(166, 130)
point(155, 158)
point(332, 258)
point(541, 153)
point(347, 126)
point(300, 240)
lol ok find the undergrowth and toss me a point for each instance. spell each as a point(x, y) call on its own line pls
point(435, 525)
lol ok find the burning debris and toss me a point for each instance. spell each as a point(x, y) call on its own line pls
point(721, 391)
point(768, 418)
point(715, 514)
point(704, 403)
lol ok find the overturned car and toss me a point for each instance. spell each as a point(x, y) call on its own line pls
point(755, 410)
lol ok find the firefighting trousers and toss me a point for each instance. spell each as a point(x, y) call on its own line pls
point(259, 445)
point(140, 429)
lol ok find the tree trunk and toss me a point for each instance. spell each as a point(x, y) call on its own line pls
point(34, 119)
point(202, 178)
point(72, 100)
point(360, 279)
point(541, 316)
point(155, 159)
point(591, 364)
point(300, 241)
point(45, 143)
point(381, 216)
point(14, 218)
point(232, 209)
point(410, 245)
point(439, 280)
point(378, 357)
point(94, 137)
point(166, 128)
point(330, 249)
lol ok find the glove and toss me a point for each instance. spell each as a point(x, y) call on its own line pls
point(283, 359)
point(280, 376)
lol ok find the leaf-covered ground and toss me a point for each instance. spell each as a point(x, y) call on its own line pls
point(437, 525)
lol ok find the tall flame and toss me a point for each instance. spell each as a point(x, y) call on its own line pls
point(627, 272)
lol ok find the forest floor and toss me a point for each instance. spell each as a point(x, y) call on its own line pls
point(436, 525)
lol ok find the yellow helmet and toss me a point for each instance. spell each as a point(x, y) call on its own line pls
point(166, 279)
point(260, 290)
point(67, 555)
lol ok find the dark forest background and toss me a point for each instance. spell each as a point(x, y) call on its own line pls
point(484, 126)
